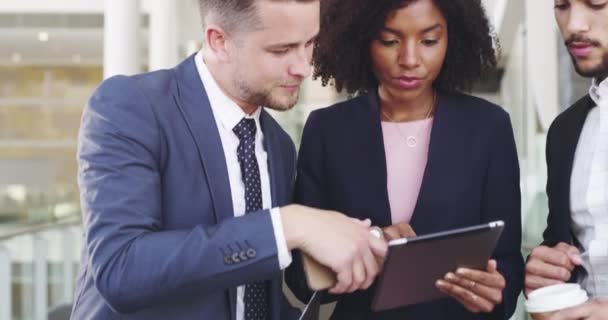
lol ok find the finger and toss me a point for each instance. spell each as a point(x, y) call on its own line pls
point(345, 279)
point(471, 298)
point(376, 232)
point(571, 251)
point(576, 259)
point(391, 233)
point(548, 271)
point(405, 230)
point(371, 269)
point(378, 246)
point(472, 308)
point(491, 294)
point(583, 311)
point(358, 276)
point(465, 295)
point(494, 279)
point(566, 248)
point(492, 266)
point(534, 282)
point(366, 223)
point(556, 256)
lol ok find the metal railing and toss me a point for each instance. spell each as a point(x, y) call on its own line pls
point(37, 269)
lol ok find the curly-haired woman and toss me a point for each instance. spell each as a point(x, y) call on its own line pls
point(412, 150)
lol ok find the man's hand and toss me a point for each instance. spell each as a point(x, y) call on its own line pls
point(592, 310)
point(398, 231)
point(547, 266)
point(343, 244)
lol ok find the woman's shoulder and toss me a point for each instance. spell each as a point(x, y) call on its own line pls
point(345, 107)
point(475, 108)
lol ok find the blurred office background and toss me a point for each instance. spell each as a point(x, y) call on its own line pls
point(54, 53)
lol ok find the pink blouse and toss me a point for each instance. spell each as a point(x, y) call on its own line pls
point(406, 145)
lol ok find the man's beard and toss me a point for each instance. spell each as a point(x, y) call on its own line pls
point(599, 72)
point(263, 97)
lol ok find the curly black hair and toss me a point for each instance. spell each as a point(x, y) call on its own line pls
point(342, 50)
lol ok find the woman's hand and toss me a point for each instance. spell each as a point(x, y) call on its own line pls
point(478, 291)
point(398, 231)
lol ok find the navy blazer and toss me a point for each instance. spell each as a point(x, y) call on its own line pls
point(562, 140)
point(472, 177)
point(160, 232)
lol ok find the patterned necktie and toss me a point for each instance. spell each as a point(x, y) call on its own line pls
point(256, 294)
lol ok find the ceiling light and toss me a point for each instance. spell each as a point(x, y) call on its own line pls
point(43, 36)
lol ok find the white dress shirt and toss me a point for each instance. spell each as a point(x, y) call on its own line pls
point(227, 115)
point(589, 193)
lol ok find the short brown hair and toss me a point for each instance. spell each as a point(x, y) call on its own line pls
point(233, 15)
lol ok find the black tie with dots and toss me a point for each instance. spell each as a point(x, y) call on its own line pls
point(256, 294)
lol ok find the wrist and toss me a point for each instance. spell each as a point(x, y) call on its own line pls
point(292, 229)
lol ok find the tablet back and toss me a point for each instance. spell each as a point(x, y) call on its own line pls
point(413, 265)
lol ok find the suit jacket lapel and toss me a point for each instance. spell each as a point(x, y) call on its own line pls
point(193, 103)
point(275, 163)
point(569, 142)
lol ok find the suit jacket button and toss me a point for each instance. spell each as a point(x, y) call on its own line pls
point(243, 256)
point(228, 260)
point(251, 253)
point(235, 257)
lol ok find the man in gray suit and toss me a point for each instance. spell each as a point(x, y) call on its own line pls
point(186, 180)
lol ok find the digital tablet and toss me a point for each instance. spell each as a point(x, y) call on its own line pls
point(413, 265)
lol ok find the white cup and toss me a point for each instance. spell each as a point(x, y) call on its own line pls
point(543, 302)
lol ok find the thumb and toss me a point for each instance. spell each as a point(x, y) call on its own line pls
point(575, 258)
point(379, 247)
point(492, 266)
point(574, 255)
point(366, 223)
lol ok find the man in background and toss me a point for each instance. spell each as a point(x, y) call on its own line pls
point(577, 161)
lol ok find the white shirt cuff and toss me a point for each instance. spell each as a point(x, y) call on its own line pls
point(277, 224)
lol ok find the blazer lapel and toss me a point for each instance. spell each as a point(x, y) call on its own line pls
point(372, 148)
point(370, 144)
point(275, 163)
point(439, 150)
point(193, 103)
